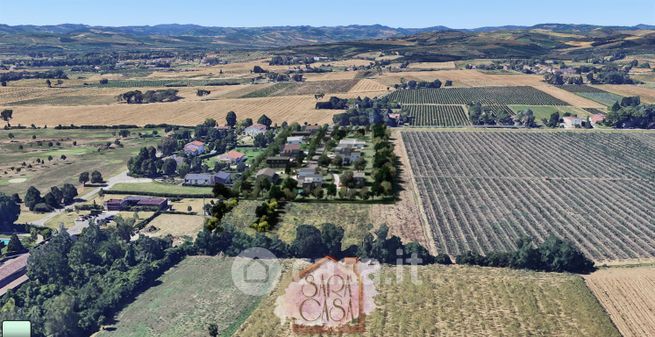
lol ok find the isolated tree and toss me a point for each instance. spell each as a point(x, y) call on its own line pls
point(9, 210)
point(213, 330)
point(96, 177)
point(553, 122)
point(48, 83)
point(6, 115)
point(231, 119)
point(84, 178)
point(52, 200)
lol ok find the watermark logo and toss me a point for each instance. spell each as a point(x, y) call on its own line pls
point(329, 296)
point(256, 271)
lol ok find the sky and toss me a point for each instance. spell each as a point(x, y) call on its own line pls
point(255, 13)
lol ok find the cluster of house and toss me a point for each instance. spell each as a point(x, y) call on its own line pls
point(128, 203)
point(349, 149)
point(292, 149)
point(571, 122)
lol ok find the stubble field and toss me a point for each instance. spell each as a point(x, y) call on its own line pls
point(628, 296)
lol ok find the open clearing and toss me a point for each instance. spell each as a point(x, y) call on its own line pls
point(483, 190)
point(176, 225)
point(190, 296)
point(87, 154)
point(466, 301)
point(628, 296)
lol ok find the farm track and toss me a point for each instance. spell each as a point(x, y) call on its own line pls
point(482, 191)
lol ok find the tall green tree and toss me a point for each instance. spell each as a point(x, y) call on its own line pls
point(9, 210)
point(231, 119)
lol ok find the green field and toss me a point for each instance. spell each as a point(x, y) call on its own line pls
point(605, 98)
point(84, 156)
point(354, 218)
point(190, 296)
point(465, 301)
point(161, 188)
point(544, 111)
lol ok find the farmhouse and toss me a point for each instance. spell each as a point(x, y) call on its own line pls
point(13, 273)
point(232, 157)
point(269, 174)
point(571, 122)
point(596, 118)
point(254, 130)
point(359, 177)
point(136, 201)
point(208, 179)
point(194, 148)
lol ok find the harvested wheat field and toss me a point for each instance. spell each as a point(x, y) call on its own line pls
point(368, 85)
point(463, 78)
point(628, 295)
point(176, 225)
point(647, 94)
point(432, 65)
point(331, 76)
point(279, 109)
point(466, 301)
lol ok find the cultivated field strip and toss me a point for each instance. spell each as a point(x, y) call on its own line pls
point(484, 95)
point(437, 115)
point(628, 296)
point(482, 191)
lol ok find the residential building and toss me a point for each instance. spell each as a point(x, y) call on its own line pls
point(291, 150)
point(194, 148)
point(232, 157)
point(255, 129)
point(596, 118)
point(295, 140)
point(352, 142)
point(278, 162)
point(127, 203)
point(360, 178)
point(572, 122)
point(269, 174)
point(13, 273)
point(208, 179)
point(348, 154)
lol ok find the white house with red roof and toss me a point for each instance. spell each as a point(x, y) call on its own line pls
point(194, 148)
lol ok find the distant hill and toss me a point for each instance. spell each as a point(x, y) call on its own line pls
point(437, 40)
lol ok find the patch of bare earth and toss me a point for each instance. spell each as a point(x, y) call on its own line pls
point(404, 217)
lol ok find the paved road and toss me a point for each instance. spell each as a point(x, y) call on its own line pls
point(120, 178)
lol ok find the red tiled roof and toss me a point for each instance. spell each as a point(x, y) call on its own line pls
point(235, 154)
point(291, 147)
point(196, 143)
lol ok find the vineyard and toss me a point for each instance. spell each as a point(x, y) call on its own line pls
point(484, 95)
point(483, 190)
point(594, 94)
point(628, 296)
point(304, 88)
point(437, 115)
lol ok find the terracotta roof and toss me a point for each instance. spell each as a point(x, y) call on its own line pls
point(197, 143)
point(235, 154)
point(257, 126)
point(291, 147)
